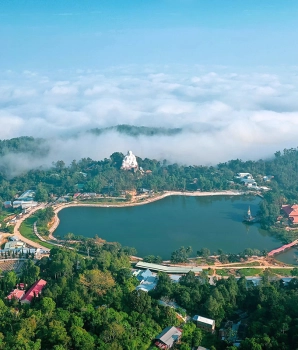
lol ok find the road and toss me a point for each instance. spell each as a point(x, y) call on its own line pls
point(16, 230)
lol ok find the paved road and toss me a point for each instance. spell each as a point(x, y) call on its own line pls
point(16, 230)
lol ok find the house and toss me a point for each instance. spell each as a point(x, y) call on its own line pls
point(34, 291)
point(168, 337)
point(148, 280)
point(292, 212)
point(205, 323)
point(16, 294)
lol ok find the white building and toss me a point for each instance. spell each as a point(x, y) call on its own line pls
point(129, 162)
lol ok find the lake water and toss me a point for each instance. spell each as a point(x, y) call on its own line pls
point(159, 228)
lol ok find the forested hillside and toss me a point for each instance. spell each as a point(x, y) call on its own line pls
point(92, 304)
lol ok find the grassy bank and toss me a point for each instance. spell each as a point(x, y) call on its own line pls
point(26, 230)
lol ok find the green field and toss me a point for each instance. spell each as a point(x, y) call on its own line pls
point(282, 272)
point(26, 230)
point(250, 272)
point(223, 272)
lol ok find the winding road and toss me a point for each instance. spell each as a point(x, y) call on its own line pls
point(17, 233)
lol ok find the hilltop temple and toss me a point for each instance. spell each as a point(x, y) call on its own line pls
point(129, 162)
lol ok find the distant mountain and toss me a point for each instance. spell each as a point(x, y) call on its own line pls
point(24, 144)
point(135, 131)
point(40, 147)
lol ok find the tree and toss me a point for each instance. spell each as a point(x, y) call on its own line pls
point(139, 301)
point(128, 197)
point(204, 252)
point(97, 281)
point(41, 194)
point(81, 339)
point(47, 306)
point(181, 255)
point(56, 334)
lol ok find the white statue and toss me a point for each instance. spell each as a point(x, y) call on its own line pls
point(129, 161)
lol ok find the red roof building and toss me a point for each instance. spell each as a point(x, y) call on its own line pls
point(34, 291)
point(16, 294)
point(291, 211)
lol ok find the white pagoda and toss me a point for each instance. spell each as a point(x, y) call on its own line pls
point(129, 162)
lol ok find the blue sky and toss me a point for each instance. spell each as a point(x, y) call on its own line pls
point(50, 34)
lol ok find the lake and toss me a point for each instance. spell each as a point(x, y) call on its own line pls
point(159, 228)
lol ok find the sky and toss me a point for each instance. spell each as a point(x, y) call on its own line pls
point(224, 71)
point(41, 34)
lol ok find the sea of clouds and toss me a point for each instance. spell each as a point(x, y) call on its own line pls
point(224, 114)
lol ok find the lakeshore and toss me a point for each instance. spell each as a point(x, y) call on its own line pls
point(134, 203)
point(163, 226)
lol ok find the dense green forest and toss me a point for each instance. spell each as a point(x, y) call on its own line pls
point(92, 304)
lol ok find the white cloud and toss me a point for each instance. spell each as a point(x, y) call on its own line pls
point(224, 114)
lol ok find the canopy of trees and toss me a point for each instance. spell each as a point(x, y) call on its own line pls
point(92, 304)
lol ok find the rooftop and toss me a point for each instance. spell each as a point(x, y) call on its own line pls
point(16, 294)
point(168, 269)
point(205, 320)
point(34, 290)
point(169, 335)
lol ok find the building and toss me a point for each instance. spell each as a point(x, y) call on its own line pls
point(168, 269)
point(205, 323)
point(14, 245)
point(247, 182)
point(7, 204)
point(292, 212)
point(244, 175)
point(148, 280)
point(34, 291)
point(16, 294)
point(27, 195)
point(24, 204)
point(13, 238)
point(168, 337)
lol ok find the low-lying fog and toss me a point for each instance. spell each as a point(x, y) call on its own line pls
point(224, 115)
